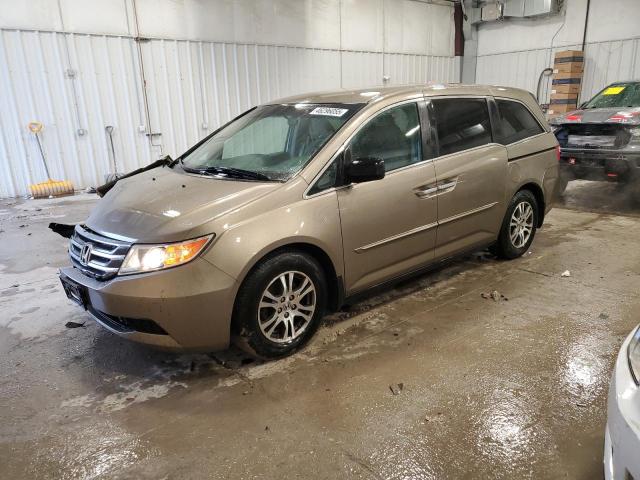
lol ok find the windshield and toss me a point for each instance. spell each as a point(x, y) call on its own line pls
point(618, 95)
point(272, 142)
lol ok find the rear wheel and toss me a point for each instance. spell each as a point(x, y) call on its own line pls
point(280, 304)
point(518, 226)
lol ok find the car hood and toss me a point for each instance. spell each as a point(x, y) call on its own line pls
point(165, 205)
point(599, 115)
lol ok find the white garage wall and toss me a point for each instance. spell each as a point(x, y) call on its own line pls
point(513, 52)
point(75, 64)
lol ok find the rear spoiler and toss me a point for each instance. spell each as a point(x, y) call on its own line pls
point(163, 162)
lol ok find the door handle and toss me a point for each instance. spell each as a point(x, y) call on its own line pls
point(425, 191)
point(430, 190)
point(447, 185)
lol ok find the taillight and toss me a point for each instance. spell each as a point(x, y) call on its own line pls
point(574, 117)
point(558, 152)
point(624, 117)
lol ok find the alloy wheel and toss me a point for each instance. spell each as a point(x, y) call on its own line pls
point(521, 224)
point(287, 306)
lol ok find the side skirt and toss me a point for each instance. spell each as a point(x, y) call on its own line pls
point(358, 296)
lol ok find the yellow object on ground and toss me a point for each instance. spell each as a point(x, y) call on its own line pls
point(50, 188)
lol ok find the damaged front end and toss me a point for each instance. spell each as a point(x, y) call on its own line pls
point(63, 229)
point(163, 162)
point(67, 230)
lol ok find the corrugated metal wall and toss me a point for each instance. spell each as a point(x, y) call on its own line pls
point(36, 85)
point(76, 82)
point(605, 62)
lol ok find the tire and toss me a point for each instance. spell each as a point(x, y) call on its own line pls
point(507, 247)
point(269, 326)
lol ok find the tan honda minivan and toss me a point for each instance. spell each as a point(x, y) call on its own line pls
point(291, 208)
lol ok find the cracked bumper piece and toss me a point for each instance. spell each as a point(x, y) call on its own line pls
point(184, 308)
point(622, 436)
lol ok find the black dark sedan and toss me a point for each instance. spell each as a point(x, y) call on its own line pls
point(601, 140)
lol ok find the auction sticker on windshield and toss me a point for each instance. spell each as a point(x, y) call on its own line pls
point(329, 111)
point(613, 90)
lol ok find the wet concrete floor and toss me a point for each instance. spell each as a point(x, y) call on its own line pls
point(508, 389)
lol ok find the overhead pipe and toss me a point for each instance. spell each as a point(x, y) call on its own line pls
point(138, 39)
point(546, 71)
point(586, 22)
point(71, 74)
point(470, 16)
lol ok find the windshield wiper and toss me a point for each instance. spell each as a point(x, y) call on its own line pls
point(230, 172)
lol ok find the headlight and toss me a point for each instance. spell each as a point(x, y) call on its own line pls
point(147, 258)
point(633, 353)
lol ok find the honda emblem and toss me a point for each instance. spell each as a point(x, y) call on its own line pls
point(85, 254)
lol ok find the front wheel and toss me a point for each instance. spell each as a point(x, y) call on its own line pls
point(518, 226)
point(280, 304)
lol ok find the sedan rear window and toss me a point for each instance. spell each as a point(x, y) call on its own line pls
point(617, 95)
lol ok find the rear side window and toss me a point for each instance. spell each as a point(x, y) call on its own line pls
point(462, 123)
point(516, 122)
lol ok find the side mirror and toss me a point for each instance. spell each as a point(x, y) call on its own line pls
point(365, 169)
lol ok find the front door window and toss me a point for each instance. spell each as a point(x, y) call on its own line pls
point(394, 136)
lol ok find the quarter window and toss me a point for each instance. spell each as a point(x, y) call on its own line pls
point(516, 122)
point(393, 135)
point(462, 123)
point(327, 180)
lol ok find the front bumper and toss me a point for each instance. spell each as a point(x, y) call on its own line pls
point(609, 165)
point(187, 307)
point(622, 436)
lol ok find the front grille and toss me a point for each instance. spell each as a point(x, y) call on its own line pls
point(104, 257)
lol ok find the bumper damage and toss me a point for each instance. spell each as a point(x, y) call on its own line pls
point(183, 308)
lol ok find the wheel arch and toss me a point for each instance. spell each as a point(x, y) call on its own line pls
point(334, 279)
point(538, 193)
